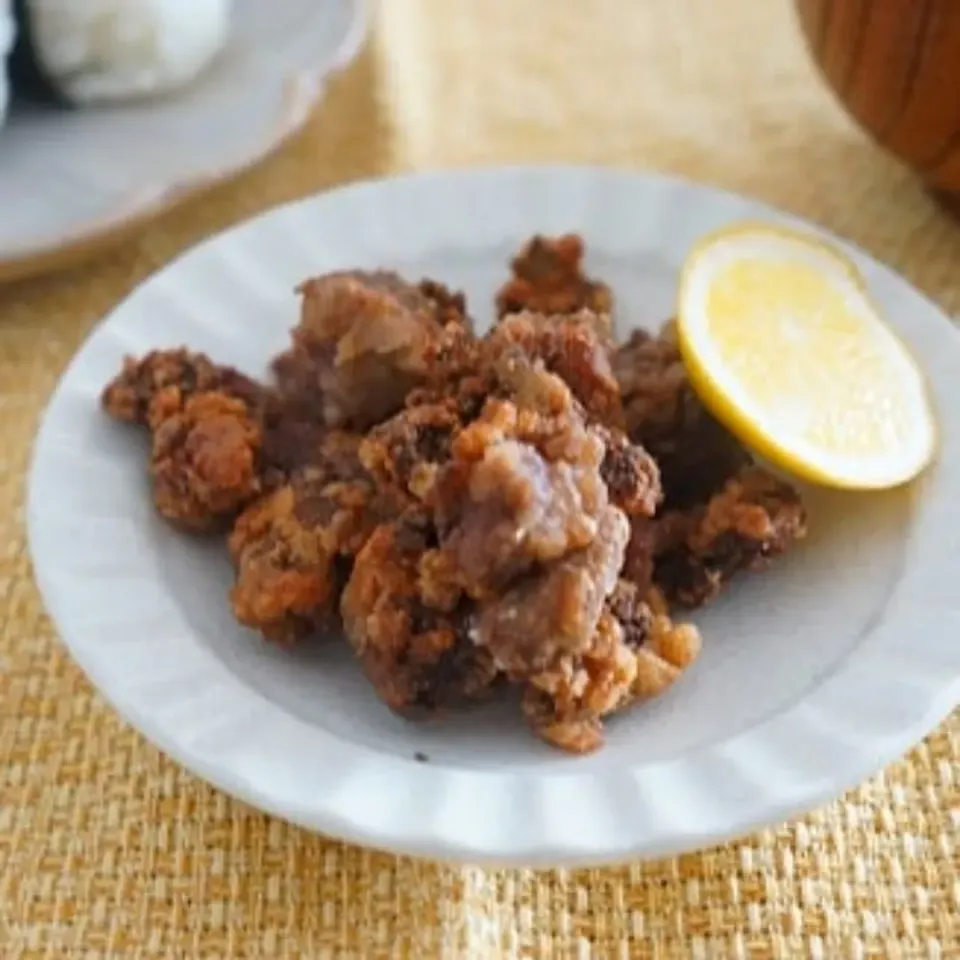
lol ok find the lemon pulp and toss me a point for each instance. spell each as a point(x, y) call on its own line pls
point(785, 347)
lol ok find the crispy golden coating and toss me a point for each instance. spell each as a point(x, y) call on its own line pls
point(752, 520)
point(179, 373)
point(205, 463)
point(565, 706)
point(636, 653)
point(663, 415)
point(207, 459)
point(573, 347)
point(667, 650)
point(292, 549)
point(365, 339)
point(630, 473)
point(449, 307)
point(410, 633)
point(690, 556)
point(548, 278)
point(517, 482)
point(406, 451)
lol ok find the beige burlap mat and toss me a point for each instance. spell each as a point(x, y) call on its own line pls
point(109, 850)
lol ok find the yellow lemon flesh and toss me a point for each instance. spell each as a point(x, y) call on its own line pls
point(784, 347)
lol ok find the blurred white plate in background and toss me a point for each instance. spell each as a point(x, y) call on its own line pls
point(73, 179)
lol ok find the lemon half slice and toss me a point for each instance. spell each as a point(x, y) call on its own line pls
point(783, 345)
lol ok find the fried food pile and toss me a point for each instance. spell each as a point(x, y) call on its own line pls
point(530, 507)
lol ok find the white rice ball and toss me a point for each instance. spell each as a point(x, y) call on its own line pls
point(107, 51)
point(7, 33)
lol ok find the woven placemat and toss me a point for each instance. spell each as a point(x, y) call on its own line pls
point(109, 850)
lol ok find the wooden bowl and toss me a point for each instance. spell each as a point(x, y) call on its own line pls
point(895, 66)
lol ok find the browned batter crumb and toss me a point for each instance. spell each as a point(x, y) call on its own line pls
point(293, 548)
point(205, 463)
point(294, 438)
point(636, 653)
point(417, 655)
point(404, 453)
point(548, 278)
point(690, 556)
point(406, 450)
point(129, 395)
point(449, 306)
point(630, 473)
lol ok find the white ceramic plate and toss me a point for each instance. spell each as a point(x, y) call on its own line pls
point(813, 675)
point(69, 177)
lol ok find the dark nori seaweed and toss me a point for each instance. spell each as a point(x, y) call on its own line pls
point(28, 80)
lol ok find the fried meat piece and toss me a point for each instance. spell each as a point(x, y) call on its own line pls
point(407, 450)
point(522, 488)
point(751, 521)
point(721, 514)
point(636, 653)
point(411, 637)
point(178, 373)
point(521, 505)
point(364, 340)
point(695, 454)
point(548, 278)
point(207, 440)
point(574, 347)
point(161, 383)
point(205, 463)
point(524, 543)
point(554, 611)
point(292, 549)
point(404, 452)
point(571, 348)
point(527, 481)
point(691, 556)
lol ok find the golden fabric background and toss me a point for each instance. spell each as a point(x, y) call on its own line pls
point(109, 850)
